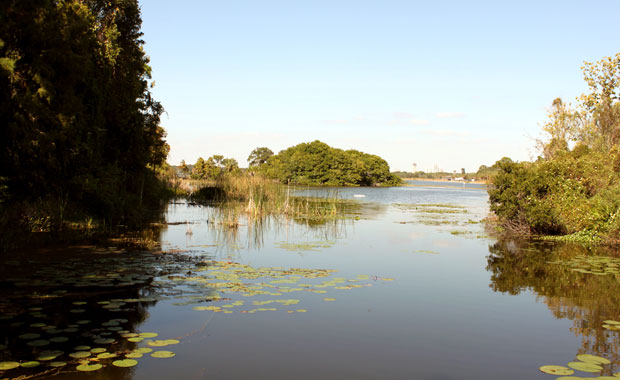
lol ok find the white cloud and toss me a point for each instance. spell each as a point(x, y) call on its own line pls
point(449, 115)
point(419, 122)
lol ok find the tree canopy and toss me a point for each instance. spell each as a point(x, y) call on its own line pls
point(318, 164)
point(79, 123)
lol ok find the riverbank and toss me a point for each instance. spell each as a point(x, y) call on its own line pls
point(481, 182)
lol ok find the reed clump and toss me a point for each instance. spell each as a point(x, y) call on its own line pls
point(257, 196)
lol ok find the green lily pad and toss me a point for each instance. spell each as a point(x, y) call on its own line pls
point(163, 354)
point(58, 364)
point(585, 367)
point(82, 348)
point(5, 366)
point(38, 343)
point(104, 340)
point(134, 355)
point(556, 370)
point(30, 364)
point(85, 367)
point(611, 322)
point(29, 336)
point(59, 339)
point(106, 355)
point(125, 363)
point(148, 335)
point(49, 355)
point(143, 350)
point(80, 354)
point(98, 350)
point(593, 359)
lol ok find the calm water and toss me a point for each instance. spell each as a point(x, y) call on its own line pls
point(417, 291)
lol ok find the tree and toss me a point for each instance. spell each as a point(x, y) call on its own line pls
point(259, 156)
point(601, 106)
point(79, 124)
point(230, 165)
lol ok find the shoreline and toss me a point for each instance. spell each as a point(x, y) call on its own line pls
point(482, 182)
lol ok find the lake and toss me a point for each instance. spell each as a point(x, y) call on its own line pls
point(409, 287)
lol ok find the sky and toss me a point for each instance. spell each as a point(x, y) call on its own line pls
point(439, 84)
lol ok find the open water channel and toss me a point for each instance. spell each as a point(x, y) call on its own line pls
point(410, 286)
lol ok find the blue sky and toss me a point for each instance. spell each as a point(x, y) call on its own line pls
point(446, 84)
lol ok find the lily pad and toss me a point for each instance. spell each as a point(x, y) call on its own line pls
point(30, 364)
point(125, 363)
point(556, 370)
point(38, 343)
point(59, 339)
point(85, 367)
point(134, 355)
point(80, 354)
point(58, 364)
point(148, 335)
point(143, 350)
point(104, 340)
point(135, 339)
point(593, 359)
point(49, 355)
point(29, 336)
point(4, 366)
point(163, 354)
point(106, 355)
point(585, 367)
point(98, 350)
point(82, 348)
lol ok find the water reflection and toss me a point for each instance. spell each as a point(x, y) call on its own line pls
point(550, 271)
point(59, 302)
point(228, 230)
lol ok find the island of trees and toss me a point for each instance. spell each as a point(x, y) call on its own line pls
point(573, 188)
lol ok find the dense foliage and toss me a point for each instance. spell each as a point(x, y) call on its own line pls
point(318, 164)
point(570, 191)
point(80, 130)
point(214, 167)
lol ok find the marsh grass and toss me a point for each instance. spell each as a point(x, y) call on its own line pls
point(257, 197)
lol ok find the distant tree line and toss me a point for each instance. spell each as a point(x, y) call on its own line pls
point(80, 129)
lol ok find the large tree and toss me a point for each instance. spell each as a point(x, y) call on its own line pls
point(79, 124)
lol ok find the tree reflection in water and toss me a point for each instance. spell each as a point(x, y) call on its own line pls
point(585, 299)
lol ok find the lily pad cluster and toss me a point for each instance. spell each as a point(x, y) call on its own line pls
point(49, 321)
point(585, 363)
point(594, 265)
point(220, 281)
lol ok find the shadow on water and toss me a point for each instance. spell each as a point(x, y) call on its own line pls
point(64, 307)
point(575, 282)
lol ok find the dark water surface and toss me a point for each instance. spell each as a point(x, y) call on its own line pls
point(416, 290)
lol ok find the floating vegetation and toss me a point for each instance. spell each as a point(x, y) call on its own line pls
point(426, 251)
point(586, 363)
point(556, 370)
point(125, 363)
point(86, 367)
point(163, 354)
point(307, 246)
point(594, 265)
point(39, 322)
